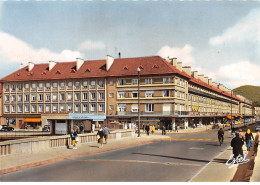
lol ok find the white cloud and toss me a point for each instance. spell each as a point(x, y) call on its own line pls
point(246, 29)
point(241, 73)
point(239, 45)
point(91, 45)
point(182, 54)
point(17, 50)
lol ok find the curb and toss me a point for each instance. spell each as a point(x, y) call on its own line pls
point(56, 159)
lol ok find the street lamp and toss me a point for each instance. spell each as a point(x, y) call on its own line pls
point(138, 71)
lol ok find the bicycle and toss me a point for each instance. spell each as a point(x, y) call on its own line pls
point(220, 139)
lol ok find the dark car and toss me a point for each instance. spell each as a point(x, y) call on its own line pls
point(46, 128)
point(7, 128)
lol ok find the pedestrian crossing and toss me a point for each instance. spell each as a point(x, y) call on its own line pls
point(192, 139)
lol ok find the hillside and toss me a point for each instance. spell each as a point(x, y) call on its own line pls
point(250, 92)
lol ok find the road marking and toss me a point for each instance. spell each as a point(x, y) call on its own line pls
point(193, 139)
point(198, 172)
point(135, 161)
point(194, 148)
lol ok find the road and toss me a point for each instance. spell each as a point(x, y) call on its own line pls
point(175, 160)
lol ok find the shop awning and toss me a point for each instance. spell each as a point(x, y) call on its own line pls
point(32, 120)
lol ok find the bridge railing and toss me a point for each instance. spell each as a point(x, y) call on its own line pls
point(38, 144)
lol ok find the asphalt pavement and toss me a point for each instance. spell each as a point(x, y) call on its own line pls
point(176, 159)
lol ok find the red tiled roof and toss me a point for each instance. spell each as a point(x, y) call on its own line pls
point(152, 65)
point(93, 68)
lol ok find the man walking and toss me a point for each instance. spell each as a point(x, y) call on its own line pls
point(163, 130)
point(147, 128)
point(237, 144)
point(106, 132)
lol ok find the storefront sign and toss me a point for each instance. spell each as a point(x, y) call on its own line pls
point(94, 117)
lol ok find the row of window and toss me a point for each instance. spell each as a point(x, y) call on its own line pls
point(54, 85)
point(54, 97)
point(165, 80)
point(134, 94)
point(150, 107)
point(54, 108)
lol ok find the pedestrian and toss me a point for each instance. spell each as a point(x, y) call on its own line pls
point(163, 130)
point(92, 128)
point(256, 142)
point(176, 128)
point(233, 130)
point(153, 129)
point(248, 137)
point(106, 132)
point(73, 135)
point(221, 135)
point(77, 129)
point(237, 144)
point(150, 128)
point(100, 135)
point(194, 126)
point(147, 129)
point(81, 128)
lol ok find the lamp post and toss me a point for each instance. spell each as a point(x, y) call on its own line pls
point(138, 71)
point(231, 111)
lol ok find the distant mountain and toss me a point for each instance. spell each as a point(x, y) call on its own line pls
point(250, 92)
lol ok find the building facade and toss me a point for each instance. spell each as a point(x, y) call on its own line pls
point(105, 92)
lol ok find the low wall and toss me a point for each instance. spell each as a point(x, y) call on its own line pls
point(39, 144)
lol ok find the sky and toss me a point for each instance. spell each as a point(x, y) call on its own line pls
point(217, 38)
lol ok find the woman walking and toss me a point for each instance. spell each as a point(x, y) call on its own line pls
point(73, 136)
point(248, 137)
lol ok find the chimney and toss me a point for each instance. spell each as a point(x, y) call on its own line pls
point(201, 77)
point(221, 87)
point(51, 65)
point(174, 61)
point(30, 66)
point(109, 62)
point(79, 63)
point(226, 89)
point(179, 66)
point(215, 84)
point(210, 81)
point(187, 70)
point(206, 79)
point(119, 55)
point(195, 74)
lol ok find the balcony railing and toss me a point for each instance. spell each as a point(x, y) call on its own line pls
point(155, 113)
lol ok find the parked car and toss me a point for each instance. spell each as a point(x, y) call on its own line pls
point(46, 128)
point(257, 127)
point(6, 128)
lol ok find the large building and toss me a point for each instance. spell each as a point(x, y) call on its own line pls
point(106, 92)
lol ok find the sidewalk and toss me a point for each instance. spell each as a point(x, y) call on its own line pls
point(13, 163)
point(218, 171)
